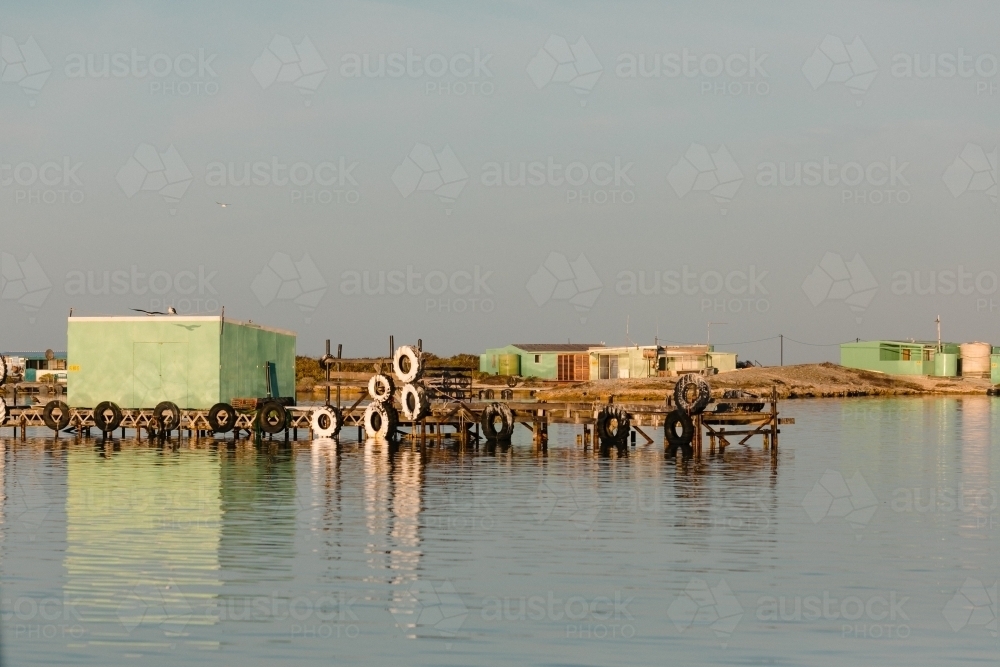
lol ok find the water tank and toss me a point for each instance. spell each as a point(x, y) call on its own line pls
point(945, 364)
point(510, 364)
point(975, 359)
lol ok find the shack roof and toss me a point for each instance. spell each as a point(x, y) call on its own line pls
point(178, 318)
point(556, 347)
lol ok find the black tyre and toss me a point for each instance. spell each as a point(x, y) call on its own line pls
point(272, 417)
point(692, 394)
point(55, 414)
point(613, 425)
point(675, 439)
point(222, 418)
point(107, 416)
point(497, 422)
point(511, 381)
point(490, 395)
point(168, 415)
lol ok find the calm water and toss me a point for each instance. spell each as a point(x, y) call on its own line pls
point(874, 540)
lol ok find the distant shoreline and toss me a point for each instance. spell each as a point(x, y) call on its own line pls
point(824, 380)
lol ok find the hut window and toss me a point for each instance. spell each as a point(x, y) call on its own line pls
point(538, 358)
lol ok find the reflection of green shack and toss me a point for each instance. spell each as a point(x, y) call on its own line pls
point(259, 511)
point(193, 361)
point(141, 529)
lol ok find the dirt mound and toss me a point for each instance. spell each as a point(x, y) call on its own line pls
point(801, 381)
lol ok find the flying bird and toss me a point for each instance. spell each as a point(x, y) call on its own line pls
point(221, 204)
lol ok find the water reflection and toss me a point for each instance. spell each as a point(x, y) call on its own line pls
point(356, 551)
point(142, 543)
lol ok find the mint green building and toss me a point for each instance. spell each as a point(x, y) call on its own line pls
point(565, 362)
point(897, 357)
point(193, 361)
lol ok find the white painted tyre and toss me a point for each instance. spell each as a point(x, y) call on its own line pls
point(3, 410)
point(3, 369)
point(380, 420)
point(381, 388)
point(325, 422)
point(407, 364)
point(413, 402)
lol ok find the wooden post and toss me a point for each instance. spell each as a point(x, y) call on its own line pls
point(774, 421)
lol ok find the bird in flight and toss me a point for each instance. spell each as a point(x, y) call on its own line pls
point(221, 204)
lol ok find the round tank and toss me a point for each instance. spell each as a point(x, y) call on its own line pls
point(509, 364)
point(975, 359)
point(946, 364)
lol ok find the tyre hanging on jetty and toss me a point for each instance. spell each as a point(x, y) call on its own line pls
point(55, 414)
point(413, 402)
point(679, 441)
point(381, 388)
point(380, 420)
point(692, 393)
point(272, 418)
point(326, 421)
point(613, 425)
point(167, 416)
point(3, 410)
point(107, 417)
point(407, 364)
point(497, 421)
point(3, 370)
point(222, 418)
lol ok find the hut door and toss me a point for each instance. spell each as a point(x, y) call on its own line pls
point(159, 374)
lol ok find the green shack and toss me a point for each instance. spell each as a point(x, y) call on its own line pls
point(900, 357)
point(562, 362)
point(193, 361)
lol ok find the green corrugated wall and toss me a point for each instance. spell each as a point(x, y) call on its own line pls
point(138, 362)
point(245, 351)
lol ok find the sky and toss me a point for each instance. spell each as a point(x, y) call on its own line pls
point(477, 174)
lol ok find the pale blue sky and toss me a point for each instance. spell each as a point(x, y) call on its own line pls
point(231, 116)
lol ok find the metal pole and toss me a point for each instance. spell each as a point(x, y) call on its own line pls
point(782, 336)
point(340, 349)
point(328, 365)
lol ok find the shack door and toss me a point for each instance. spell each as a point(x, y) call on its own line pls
point(159, 374)
point(565, 367)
